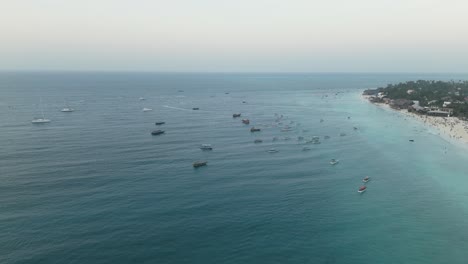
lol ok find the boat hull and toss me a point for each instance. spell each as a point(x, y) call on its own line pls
point(40, 121)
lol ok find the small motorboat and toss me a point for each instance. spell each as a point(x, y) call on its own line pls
point(342, 134)
point(160, 123)
point(141, 98)
point(355, 128)
point(362, 189)
point(411, 140)
point(206, 147)
point(147, 109)
point(272, 150)
point(195, 108)
point(236, 115)
point(197, 164)
point(40, 121)
point(258, 141)
point(254, 129)
point(326, 137)
point(305, 149)
point(157, 132)
point(334, 161)
point(67, 110)
point(300, 138)
point(244, 102)
point(366, 179)
point(246, 121)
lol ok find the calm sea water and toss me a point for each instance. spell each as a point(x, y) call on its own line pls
point(93, 186)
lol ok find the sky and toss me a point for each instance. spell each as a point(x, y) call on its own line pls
point(235, 35)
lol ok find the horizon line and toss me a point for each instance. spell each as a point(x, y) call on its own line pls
point(220, 72)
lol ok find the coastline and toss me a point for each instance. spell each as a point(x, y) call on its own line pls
point(451, 129)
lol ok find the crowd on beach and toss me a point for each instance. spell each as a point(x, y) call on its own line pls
point(448, 127)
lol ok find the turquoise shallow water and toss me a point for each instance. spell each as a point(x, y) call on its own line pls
point(94, 186)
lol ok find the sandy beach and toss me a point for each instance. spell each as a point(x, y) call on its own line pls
point(451, 128)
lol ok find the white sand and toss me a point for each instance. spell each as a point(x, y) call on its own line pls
point(450, 128)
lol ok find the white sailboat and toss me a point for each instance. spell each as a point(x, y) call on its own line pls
point(67, 108)
point(40, 120)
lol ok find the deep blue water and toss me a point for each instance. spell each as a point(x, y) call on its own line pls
point(93, 186)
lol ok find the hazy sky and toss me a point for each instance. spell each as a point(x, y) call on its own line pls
point(235, 35)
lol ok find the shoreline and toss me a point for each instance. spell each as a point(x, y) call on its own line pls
point(451, 129)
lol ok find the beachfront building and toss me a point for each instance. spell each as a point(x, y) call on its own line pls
point(417, 107)
point(401, 103)
point(443, 113)
point(446, 103)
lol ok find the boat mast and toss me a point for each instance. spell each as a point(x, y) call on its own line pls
point(40, 105)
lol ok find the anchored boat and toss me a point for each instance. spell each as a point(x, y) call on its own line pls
point(272, 150)
point(362, 189)
point(206, 147)
point(197, 164)
point(157, 132)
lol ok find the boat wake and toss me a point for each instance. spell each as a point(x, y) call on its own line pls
point(177, 108)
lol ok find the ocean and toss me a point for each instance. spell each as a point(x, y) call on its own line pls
point(94, 186)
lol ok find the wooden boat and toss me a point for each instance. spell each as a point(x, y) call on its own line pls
point(157, 132)
point(197, 164)
point(362, 189)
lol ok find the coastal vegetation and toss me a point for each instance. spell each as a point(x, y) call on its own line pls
point(425, 97)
